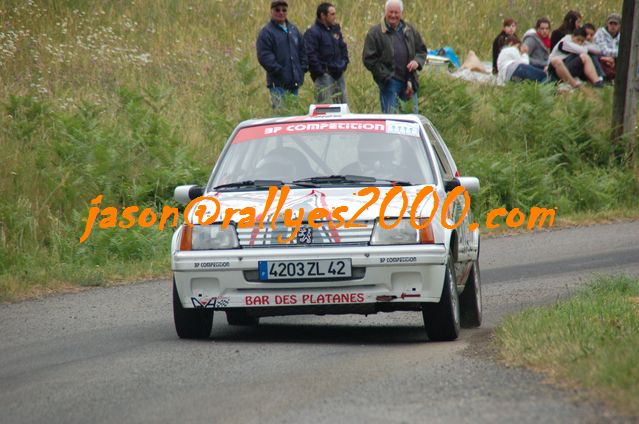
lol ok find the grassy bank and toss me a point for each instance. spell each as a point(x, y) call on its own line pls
point(130, 99)
point(590, 340)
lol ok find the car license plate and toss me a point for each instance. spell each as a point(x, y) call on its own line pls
point(305, 270)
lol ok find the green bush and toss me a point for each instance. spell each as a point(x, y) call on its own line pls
point(60, 161)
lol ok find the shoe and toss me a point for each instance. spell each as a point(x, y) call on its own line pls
point(599, 84)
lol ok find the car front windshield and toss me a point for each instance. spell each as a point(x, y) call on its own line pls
point(381, 149)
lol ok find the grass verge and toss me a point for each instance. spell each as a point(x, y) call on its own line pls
point(590, 340)
point(71, 278)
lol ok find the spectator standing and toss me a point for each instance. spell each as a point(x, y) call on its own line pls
point(538, 42)
point(607, 39)
point(327, 56)
point(281, 52)
point(508, 28)
point(393, 52)
point(571, 21)
point(513, 62)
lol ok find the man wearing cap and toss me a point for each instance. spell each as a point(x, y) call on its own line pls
point(327, 56)
point(607, 39)
point(394, 52)
point(281, 52)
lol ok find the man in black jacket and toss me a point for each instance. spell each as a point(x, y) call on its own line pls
point(394, 52)
point(280, 50)
point(327, 56)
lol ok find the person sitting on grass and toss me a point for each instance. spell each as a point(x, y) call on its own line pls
point(572, 53)
point(571, 21)
point(509, 28)
point(538, 42)
point(513, 63)
point(594, 50)
point(607, 38)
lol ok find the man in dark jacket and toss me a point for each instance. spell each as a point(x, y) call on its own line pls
point(280, 50)
point(393, 52)
point(327, 56)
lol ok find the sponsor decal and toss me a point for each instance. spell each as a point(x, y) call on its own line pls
point(304, 299)
point(261, 131)
point(388, 126)
point(402, 259)
point(222, 302)
point(211, 264)
point(210, 302)
point(402, 128)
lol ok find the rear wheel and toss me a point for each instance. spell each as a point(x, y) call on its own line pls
point(240, 317)
point(442, 320)
point(470, 299)
point(191, 323)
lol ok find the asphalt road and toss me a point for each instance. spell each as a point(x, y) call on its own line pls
point(112, 355)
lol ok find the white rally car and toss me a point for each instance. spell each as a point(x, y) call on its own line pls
point(297, 218)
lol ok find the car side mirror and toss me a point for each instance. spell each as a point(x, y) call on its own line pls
point(471, 184)
point(185, 193)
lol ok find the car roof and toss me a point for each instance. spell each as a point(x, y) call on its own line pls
point(330, 117)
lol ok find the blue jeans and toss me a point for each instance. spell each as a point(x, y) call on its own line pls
point(529, 72)
point(278, 96)
point(389, 94)
point(330, 90)
point(598, 68)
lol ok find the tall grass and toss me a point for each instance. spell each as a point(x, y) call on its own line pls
point(129, 99)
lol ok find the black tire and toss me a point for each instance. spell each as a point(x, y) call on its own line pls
point(191, 323)
point(442, 320)
point(470, 299)
point(240, 317)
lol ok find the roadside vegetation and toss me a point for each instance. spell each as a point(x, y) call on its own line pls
point(130, 99)
point(590, 340)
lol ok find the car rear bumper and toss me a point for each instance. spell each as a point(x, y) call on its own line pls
point(388, 275)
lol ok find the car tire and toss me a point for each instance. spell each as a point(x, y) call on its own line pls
point(470, 299)
point(442, 319)
point(240, 317)
point(191, 323)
